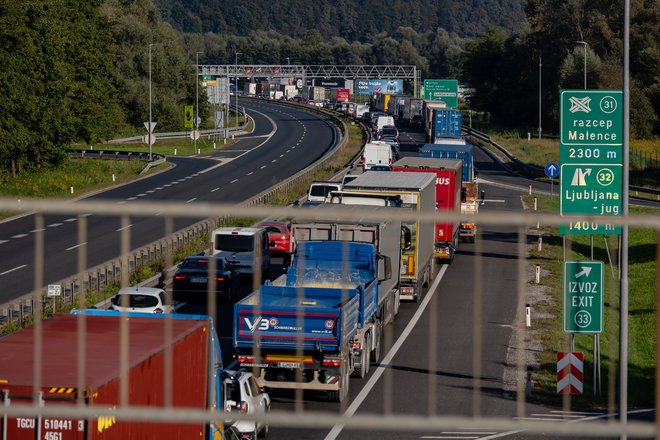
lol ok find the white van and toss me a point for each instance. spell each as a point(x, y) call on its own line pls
point(377, 153)
point(247, 249)
point(383, 121)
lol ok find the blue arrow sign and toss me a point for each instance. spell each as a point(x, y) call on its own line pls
point(552, 170)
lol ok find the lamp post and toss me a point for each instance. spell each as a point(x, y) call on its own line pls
point(149, 130)
point(585, 44)
point(540, 97)
point(236, 79)
point(196, 119)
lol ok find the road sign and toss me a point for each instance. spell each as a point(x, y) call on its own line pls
point(570, 373)
point(552, 170)
point(583, 296)
point(188, 116)
point(146, 139)
point(445, 90)
point(194, 135)
point(591, 190)
point(150, 126)
point(591, 126)
point(54, 290)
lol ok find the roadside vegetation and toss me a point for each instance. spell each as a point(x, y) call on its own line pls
point(548, 313)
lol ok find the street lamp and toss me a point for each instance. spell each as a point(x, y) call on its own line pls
point(585, 61)
point(196, 98)
point(150, 128)
point(236, 88)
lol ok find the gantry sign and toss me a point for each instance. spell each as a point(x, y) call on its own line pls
point(304, 71)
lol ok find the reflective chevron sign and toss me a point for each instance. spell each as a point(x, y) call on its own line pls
point(569, 372)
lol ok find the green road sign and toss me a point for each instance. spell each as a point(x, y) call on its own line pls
point(590, 189)
point(445, 90)
point(591, 126)
point(207, 78)
point(583, 296)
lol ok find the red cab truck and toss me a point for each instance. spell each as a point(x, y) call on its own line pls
point(447, 196)
point(196, 369)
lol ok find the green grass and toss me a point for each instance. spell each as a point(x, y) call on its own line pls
point(642, 288)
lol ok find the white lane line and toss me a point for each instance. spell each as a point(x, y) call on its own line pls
point(131, 198)
point(288, 151)
point(125, 227)
point(582, 413)
point(38, 230)
point(141, 195)
point(469, 432)
point(182, 179)
point(158, 188)
point(195, 174)
point(4, 241)
point(537, 419)
point(449, 437)
point(214, 190)
point(192, 200)
point(11, 270)
point(264, 166)
point(558, 416)
point(121, 202)
point(250, 173)
point(54, 225)
point(273, 161)
point(281, 155)
point(234, 181)
point(494, 200)
point(19, 236)
point(187, 177)
point(175, 183)
point(76, 246)
point(380, 369)
point(69, 220)
point(151, 191)
point(167, 185)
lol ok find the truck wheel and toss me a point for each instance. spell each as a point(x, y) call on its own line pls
point(358, 371)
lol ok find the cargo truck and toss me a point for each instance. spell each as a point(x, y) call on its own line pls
point(428, 108)
point(195, 376)
point(315, 328)
point(386, 235)
point(446, 123)
point(408, 108)
point(447, 198)
point(460, 149)
point(417, 192)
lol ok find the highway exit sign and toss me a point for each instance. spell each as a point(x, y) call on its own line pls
point(583, 296)
point(591, 126)
point(594, 190)
point(445, 90)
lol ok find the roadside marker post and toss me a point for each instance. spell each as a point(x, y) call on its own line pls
point(570, 373)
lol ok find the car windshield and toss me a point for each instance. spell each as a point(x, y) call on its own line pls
point(234, 243)
point(272, 229)
point(200, 263)
point(322, 190)
point(233, 390)
point(135, 300)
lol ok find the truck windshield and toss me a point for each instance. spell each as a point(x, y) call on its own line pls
point(234, 243)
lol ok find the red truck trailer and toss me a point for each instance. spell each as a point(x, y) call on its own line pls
point(196, 365)
point(447, 196)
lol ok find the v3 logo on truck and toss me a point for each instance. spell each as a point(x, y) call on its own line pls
point(259, 323)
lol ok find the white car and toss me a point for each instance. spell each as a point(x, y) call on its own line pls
point(243, 394)
point(141, 299)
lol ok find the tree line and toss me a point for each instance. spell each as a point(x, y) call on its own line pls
point(77, 70)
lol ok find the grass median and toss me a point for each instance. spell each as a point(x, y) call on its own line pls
point(547, 324)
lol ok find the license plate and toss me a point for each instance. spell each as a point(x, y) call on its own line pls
point(288, 364)
point(199, 280)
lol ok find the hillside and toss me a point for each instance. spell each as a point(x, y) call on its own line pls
point(349, 19)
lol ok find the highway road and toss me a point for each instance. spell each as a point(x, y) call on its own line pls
point(285, 141)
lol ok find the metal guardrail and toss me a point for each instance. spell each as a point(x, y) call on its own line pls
point(98, 277)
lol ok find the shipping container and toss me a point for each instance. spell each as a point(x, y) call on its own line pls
point(196, 364)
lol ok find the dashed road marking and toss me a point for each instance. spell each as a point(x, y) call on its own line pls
point(19, 236)
point(12, 270)
point(125, 227)
point(54, 225)
point(76, 246)
point(214, 190)
point(192, 200)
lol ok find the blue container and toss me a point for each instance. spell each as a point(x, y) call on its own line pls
point(452, 151)
point(446, 124)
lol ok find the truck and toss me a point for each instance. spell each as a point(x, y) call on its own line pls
point(407, 108)
point(195, 379)
point(446, 123)
point(417, 192)
point(428, 108)
point(314, 326)
point(460, 149)
point(342, 95)
point(322, 224)
point(313, 92)
point(447, 197)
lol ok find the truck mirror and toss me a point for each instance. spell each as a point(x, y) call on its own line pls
point(406, 235)
point(384, 268)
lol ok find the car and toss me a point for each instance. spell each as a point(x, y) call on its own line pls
point(280, 239)
point(190, 282)
point(232, 433)
point(389, 131)
point(141, 299)
point(243, 394)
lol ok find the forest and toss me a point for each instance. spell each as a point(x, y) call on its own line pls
point(76, 71)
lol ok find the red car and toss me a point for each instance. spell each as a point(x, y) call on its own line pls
point(280, 234)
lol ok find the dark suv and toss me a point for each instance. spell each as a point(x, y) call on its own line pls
point(191, 280)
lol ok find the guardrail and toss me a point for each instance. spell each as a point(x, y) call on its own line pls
point(156, 159)
point(538, 170)
point(108, 273)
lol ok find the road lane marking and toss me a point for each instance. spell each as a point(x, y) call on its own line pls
point(214, 190)
point(250, 173)
point(54, 225)
point(4, 241)
point(192, 200)
point(38, 230)
point(141, 195)
point(384, 364)
point(234, 181)
point(151, 191)
point(125, 227)
point(72, 219)
point(273, 161)
point(19, 236)
point(494, 200)
point(131, 198)
point(76, 246)
point(263, 167)
point(11, 270)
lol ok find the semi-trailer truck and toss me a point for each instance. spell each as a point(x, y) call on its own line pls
point(195, 375)
point(447, 198)
point(417, 192)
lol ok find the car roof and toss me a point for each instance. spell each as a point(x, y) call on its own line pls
point(139, 290)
